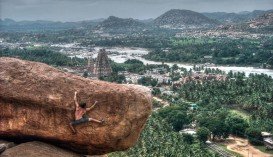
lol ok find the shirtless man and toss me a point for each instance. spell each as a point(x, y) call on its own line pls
point(80, 114)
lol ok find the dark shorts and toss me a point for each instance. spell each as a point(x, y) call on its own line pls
point(84, 119)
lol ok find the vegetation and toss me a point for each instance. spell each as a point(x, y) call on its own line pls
point(254, 136)
point(215, 122)
point(203, 134)
point(176, 116)
point(237, 125)
point(114, 77)
point(147, 81)
point(158, 139)
point(156, 91)
point(133, 66)
point(240, 106)
point(253, 95)
point(44, 55)
point(217, 101)
point(157, 104)
point(226, 51)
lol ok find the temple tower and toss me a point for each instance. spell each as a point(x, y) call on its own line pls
point(102, 66)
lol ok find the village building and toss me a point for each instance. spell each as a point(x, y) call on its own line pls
point(132, 78)
point(193, 106)
point(188, 131)
point(199, 77)
point(268, 140)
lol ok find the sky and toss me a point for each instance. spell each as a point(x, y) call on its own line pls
point(78, 10)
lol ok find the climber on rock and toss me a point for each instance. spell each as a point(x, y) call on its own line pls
point(80, 114)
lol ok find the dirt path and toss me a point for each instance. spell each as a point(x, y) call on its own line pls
point(241, 146)
point(165, 103)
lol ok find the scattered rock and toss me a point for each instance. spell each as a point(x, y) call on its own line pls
point(5, 145)
point(37, 104)
point(37, 149)
point(2, 148)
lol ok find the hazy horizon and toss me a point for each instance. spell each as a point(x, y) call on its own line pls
point(80, 10)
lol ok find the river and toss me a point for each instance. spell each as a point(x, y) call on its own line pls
point(125, 53)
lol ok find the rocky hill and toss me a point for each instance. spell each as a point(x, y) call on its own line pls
point(176, 18)
point(261, 24)
point(226, 17)
point(262, 21)
point(115, 24)
point(37, 104)
point(235, 17)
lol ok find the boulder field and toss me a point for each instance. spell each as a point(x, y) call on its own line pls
point(36, 102)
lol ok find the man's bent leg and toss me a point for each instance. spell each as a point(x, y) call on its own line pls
point(72, 127)
point(77, 122)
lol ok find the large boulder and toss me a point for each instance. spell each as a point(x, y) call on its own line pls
point(36, 103)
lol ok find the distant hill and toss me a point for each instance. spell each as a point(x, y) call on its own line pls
point(41, 25)
point(147, 21)
point(260, 24)
point(235, 17)
point(262, 21)
point(176, 18)
point(116, 24)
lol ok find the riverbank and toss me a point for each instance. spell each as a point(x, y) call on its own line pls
point(121, 54)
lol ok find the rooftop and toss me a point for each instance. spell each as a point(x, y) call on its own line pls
point(266, 134)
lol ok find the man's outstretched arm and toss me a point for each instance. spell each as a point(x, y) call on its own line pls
point(75, 100)
point(90, 108)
